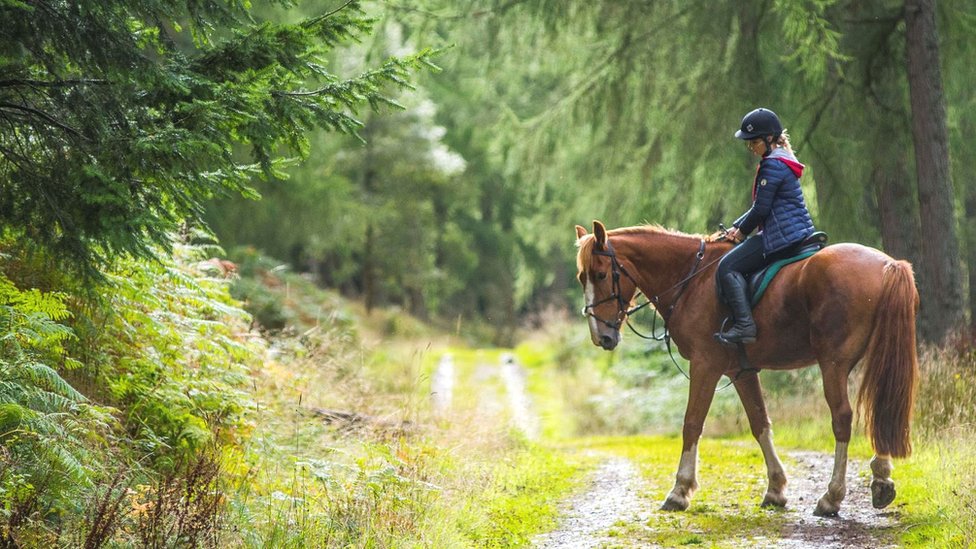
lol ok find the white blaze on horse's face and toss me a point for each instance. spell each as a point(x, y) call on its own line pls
point(601, 335)
point(588, 297)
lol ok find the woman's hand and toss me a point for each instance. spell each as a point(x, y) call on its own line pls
point(735, 235)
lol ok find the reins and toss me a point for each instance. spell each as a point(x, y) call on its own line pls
point(680, 286)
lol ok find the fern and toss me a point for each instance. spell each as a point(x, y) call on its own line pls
point(178, 345)
point(44, 421)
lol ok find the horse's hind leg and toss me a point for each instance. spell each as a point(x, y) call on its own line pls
point(882, 487)
point(750, 393)
point(835, 390)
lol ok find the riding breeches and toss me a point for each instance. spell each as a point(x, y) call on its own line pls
point(748, 257)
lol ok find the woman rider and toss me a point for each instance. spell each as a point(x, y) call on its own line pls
point(778, 211)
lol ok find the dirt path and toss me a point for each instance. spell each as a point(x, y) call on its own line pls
point(617, 496)
point(615, 507)
point(613, 497)
point(859, 524)
point(523, 416)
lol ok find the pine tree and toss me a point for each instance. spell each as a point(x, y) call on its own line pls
point(119, 117)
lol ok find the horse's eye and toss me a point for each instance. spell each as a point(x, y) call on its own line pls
point(601, 276)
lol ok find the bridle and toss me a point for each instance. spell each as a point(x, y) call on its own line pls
point(623, 311)
point(616, 269)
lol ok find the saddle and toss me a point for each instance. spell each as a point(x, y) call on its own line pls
point(759, 281)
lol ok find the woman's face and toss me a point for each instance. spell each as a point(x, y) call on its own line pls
point(755, 146)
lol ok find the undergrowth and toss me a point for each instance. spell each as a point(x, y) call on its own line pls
point(940, 477)
point(346, 448)
point(111, 397)
point(159, 413)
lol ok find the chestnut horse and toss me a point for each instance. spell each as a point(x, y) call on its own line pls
point(843, 304)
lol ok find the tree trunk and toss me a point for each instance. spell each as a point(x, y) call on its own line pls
point(942, 307)
point(970, 256)
point(897, 205)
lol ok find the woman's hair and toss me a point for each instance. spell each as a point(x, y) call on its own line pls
point(784, 141)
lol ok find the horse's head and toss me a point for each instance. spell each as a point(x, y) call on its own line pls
point(607, 287)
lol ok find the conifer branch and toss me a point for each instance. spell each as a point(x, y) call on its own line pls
point(479, 13)
point(815, 122)
point(316, 20)
point(44, 116)
point(52, 83)
point(586, 84)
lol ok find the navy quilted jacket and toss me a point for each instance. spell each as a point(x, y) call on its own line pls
point(778, 209)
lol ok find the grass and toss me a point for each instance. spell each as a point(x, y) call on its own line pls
point(469, 480)
point(938, 482)
point(724, 511)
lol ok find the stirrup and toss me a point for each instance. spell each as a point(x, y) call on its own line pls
point(724, 340)
point(722, 336)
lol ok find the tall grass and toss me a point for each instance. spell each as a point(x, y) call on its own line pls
point(397, 474)
point(942, 474)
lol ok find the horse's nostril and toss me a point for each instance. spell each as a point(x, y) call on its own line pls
point(606, 342)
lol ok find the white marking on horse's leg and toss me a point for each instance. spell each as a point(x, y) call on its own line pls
point(774, 471)
point(686, 481)
point(882, 487)
point(838, 481)
point(688, 466)
point(588, 295)
point(881, 466)
point(829, 503)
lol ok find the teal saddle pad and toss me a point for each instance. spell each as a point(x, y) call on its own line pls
point(759, 281)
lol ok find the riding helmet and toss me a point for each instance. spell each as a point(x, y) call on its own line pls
point(758, 123)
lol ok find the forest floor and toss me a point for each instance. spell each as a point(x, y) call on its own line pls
point(617, 502)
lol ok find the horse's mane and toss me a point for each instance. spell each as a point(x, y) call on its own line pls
point(654, 228)
point(585, 244)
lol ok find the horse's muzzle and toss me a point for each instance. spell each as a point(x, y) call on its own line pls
point(609, 342)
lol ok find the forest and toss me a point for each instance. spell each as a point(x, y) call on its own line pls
point(239, 239)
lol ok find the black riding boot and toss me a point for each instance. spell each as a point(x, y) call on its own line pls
point(744, 329)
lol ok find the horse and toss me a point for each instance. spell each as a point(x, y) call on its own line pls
point(846, 303)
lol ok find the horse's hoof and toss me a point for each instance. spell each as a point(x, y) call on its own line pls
point(882, 493)
point(773, 500)
point(826, 508)
point(675, 503)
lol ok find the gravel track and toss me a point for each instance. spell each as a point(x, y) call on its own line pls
point(613, 497)
point(859, 524)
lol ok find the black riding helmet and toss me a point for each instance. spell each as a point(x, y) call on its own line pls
point(759, 123)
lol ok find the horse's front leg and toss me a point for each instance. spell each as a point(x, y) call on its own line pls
point(835, 390)
point(700, 393)
point(750, 393)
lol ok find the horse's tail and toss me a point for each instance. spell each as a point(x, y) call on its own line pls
point(887, 391)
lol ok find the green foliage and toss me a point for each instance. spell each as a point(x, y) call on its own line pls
point(814, 44)
point(46, 426)
point(115, 390)
point(120, 118)
point(278, 298)
point(172, 353)
point(385, 218)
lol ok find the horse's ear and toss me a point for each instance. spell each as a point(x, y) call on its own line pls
point(600, 232)
point(580, 232)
